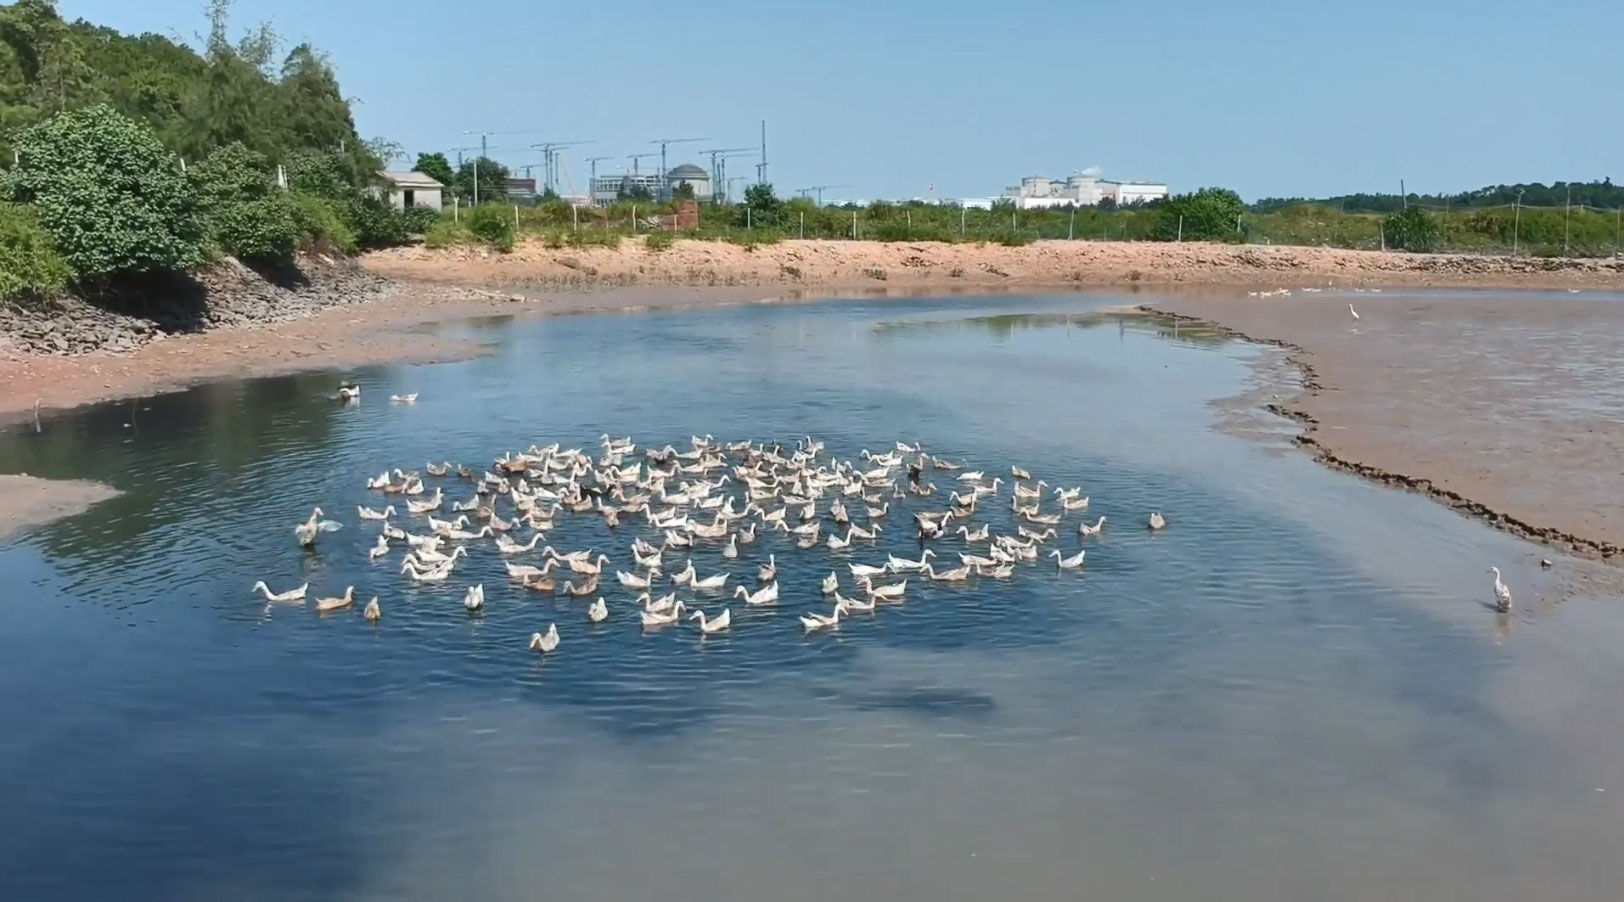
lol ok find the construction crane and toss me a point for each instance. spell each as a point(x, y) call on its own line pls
point(664, 172)
point(634, 157)
point(819, 189)
point(718, 178)
point(549, 152)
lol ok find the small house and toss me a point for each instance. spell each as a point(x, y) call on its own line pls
point(413, 189)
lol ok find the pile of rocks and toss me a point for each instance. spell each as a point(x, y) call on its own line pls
point(231, 295)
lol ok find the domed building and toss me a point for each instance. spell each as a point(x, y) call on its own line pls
point(693, 176)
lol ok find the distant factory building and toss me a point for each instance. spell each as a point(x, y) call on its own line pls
point(1082, 189)
point(519, 187)
point(606, 189)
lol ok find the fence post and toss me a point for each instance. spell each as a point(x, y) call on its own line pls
point(748, 218)
point(803, 225)
point(1181, 228)
point(456, 209)
point(634, 219)
point(1381, 229)
point(910, 223)
point(515, 219)
point(575, 218)
point(1618, 223)
point(1071, 227)
point(962, 211)
point(1516, 223)
point(854, 225)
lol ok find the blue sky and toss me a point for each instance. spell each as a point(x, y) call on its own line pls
point(1267, 97)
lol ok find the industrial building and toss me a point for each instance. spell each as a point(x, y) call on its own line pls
point(606, 189)
point(1082, 189)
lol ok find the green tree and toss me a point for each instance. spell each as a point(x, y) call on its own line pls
point(436, 166)
point(492, 177)
point(683, 191)
point(248, 215)
point(1411, 229)
point(109, 194)
point(761, 207)
point(1211, 214)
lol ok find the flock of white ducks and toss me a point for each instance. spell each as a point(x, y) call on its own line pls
point(714, 494)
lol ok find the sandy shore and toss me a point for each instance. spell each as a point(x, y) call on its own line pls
point(1504, 407)
point(852, 264)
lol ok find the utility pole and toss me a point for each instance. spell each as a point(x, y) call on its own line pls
point(761, 167)
point(1403, 196)
point(1567, 220)
point(1516, 220)
point(484, 154)
point(593, 179)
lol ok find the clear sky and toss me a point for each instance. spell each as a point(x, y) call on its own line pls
point(892, 96)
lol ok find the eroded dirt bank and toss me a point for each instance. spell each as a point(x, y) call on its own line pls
point(1504, 406)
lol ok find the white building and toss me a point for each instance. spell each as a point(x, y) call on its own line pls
point(412, 189)
point(1130, 193)
point(1081, 189)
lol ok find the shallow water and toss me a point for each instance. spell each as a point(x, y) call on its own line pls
point(1293, 692)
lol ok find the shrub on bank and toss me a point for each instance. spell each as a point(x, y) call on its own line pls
point(262, 229)
point(30, 264)
point(319, 223)
point(492, 225)
point(1411, 229)
point(109, 194)
point(659, 241)
point(418, 220)
point(444, 233)
point(1211, 214)
point(375, 221)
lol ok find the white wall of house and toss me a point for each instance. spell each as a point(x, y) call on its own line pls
point(402, 197)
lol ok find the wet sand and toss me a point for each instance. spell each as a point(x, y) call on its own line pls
point(1502, 406)
point(27, 501)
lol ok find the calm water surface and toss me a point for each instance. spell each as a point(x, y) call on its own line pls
point(1294, 692)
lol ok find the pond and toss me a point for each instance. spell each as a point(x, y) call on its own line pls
point(1294, 691)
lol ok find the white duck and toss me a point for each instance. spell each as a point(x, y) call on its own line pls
point(307, 531)
point(831, 583)
point(1068, 563)
point(852, 604)
point(372, 612)
point(1502, 593)
point(768, 571)
point(732, 549)
point(956, 575)
point(862, 570)
point(290, 595)
point(367, 513)
point(660, 605)
point(423, 507)
point(1086, 530)
point(633, 581)
point(598, 612)
point(813, 621)
point(546, 642)
point(378, 550)
point(404, 399)
point(323, 605)
point(710, 582)
point(474, 598)
point(767, 595)
point(1157, 521)
point(713, 626)
point(651, 618)
point(506, 545)
point(888, 593)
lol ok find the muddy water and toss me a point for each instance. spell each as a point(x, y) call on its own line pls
point(1296, 691)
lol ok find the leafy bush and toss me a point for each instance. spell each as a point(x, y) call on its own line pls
point(1012, 238)
point(418, 220)
point(109, 194)
point(659, 241)
point(590, 238)
point(319, 222)
point(374, 221)
point(1210, 214)
point(317, 174)
point(30, 263)
point(553, 241)
point(1411, 229)
point(444, 234)
point(492, 225)
point(233, 174)
point(260, 229)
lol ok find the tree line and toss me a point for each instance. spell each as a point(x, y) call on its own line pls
point(1601, 194)
point(127, 155)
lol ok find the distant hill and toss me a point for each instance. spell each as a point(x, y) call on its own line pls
point(1603, 194)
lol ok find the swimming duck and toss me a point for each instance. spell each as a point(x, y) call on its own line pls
point(1157, 521)
point(307, 531)
point(290, 595)
point(1068, 563)
point(769, 571)
point(424, 507)
point(887, 593)
point(367, 513)
point(404, 399)
point(546, 642)
point(763, 596)
point(474, 598)
point(324, 605)
point(586, 588)
point(731, 550)
point(831, 583)
point(349, 391)
point(378, 550)
point(1086, 530)
point(813, 621)
point(901, 564)
point(956, 575)
point(710, 583)
point(651, 618)
point(598, 612)
point(372, 612)
point(716, 625)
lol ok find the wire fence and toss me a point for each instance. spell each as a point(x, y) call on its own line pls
point(1577, 231)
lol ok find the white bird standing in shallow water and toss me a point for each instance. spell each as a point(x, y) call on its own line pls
point(1502, 594)
point(1353, 311)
